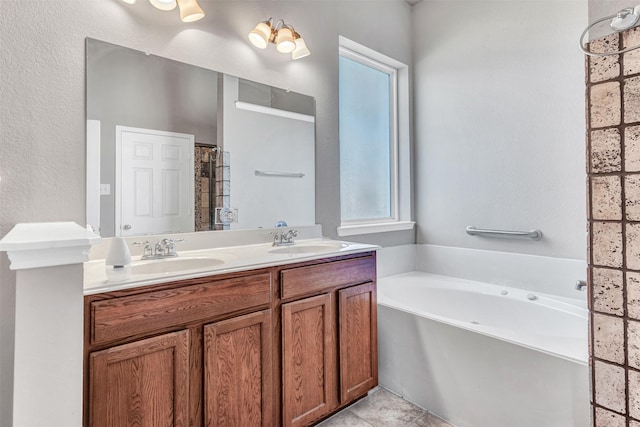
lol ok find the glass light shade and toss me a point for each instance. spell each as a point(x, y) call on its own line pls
point(284, 40)
point(190, 11)
point(260, 35)
point(163, 4)
point(301, 49)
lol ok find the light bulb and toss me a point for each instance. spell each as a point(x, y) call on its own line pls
point(301, 49)
point(284, 40)
point(190, 11)
point(163, 4)
point(260, 35)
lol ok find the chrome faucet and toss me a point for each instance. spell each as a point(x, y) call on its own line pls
point(581, 284)
point(163, 248)
point(283, 238)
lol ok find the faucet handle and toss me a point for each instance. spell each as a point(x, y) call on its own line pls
point(148, 250)
point(581, 284)
point(277, 237)
point(288, 236)
point(170, 247)
point(169, 241)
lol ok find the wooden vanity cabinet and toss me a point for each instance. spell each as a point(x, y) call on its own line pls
point(358, 344)
point(238, 371)
point(329, 340)
point(309, 375)
point(142, 383)
point(185, 354)
point(283, 346)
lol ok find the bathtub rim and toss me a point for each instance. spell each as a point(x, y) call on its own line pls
point(489, 331)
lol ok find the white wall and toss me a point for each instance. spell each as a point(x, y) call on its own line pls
point(499, 114)
point(42, 113)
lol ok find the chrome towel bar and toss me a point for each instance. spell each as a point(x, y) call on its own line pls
point(283, 174)
point(533, 234)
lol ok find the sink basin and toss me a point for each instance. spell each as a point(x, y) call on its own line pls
point(171, 265)
point(309, 249)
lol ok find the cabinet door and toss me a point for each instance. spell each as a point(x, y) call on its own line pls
point(144, 383)
point(358, 340)
point(309, 388)
point(238, 371)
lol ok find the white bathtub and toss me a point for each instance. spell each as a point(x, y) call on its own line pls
point(482, 355)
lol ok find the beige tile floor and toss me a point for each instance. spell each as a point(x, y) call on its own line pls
point(383, 409)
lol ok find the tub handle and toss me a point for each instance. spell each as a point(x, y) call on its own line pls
point(534, 234)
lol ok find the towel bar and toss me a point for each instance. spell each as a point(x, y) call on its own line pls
point(533, 234)
point(283, 174)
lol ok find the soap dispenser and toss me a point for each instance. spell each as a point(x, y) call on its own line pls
point(118, 261)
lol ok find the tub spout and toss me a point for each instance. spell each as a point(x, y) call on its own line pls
point(581, 284)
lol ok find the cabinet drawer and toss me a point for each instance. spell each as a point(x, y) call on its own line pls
point(317, 278)
point(122, 317)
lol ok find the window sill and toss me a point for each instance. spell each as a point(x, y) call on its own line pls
point(381, 227)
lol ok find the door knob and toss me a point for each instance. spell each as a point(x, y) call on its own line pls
point(126, 227)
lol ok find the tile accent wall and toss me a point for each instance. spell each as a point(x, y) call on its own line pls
point(201, 189)
point(613, 167)
point(206, 201)
point(223, 180)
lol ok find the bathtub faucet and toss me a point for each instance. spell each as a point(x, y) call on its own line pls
point(581, 284)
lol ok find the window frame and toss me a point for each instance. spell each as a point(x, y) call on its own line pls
point(399, 153)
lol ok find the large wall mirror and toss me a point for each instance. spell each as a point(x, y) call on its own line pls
point(173, 147)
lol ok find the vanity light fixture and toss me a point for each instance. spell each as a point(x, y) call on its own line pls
point(164, 4)
point(190, 10)
point(286, 39)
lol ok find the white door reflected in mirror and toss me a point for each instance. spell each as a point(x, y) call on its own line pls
point(154, 181)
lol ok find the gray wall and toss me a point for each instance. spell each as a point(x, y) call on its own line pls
point(499, 122)
point(42, 113)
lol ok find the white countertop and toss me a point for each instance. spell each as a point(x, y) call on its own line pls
point(224, 260)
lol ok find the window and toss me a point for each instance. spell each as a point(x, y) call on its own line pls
point(367, 139)
point(373, 191)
